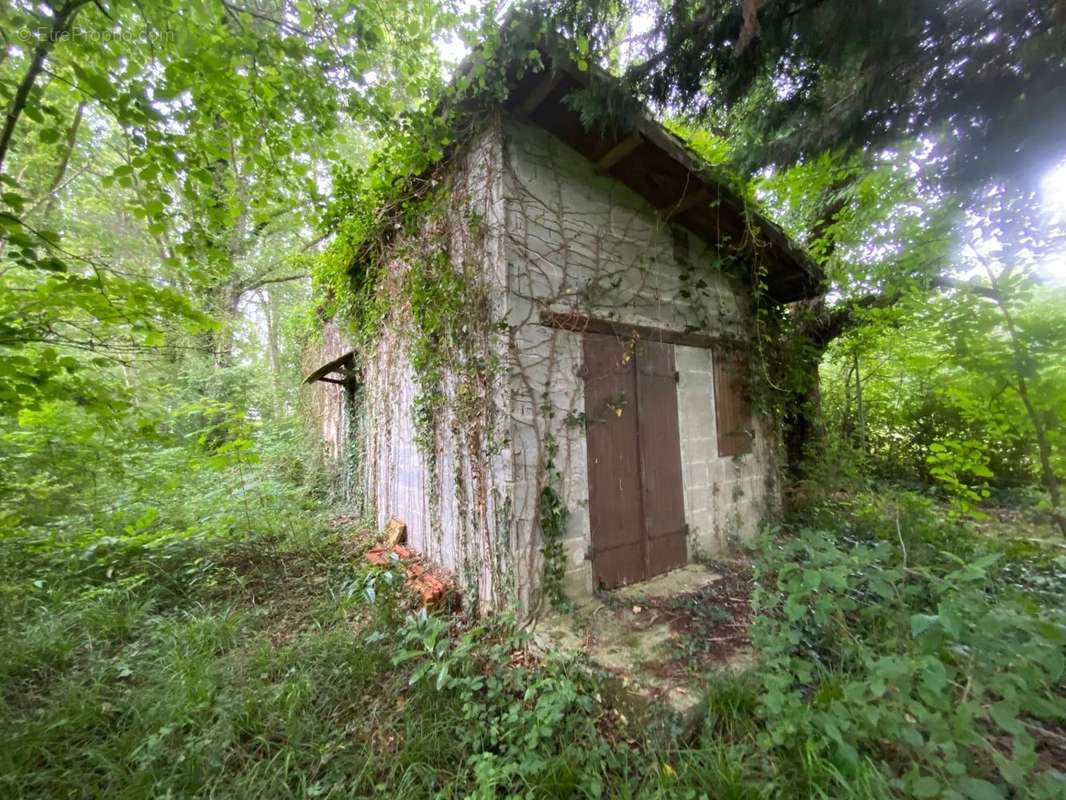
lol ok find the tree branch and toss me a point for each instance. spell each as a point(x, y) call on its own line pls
point(72, 137)
point(60, 26)
point(826, 324)
point(946, 282)
point(283, 279)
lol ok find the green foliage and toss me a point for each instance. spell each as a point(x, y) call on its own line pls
point(521, 724)
point(950, 458)
point(175, 619)
point(221, 664)
point(188, 690)
point(448, 310)
point(165, 160)
point(926, 663)
point(894, 70)
point(942, 390)
point(372, 202)
point(552, 515)
point(242, 657)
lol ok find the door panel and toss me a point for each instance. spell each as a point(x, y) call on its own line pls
point(660, 452)
point(615, 508)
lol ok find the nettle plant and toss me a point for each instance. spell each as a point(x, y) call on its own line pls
point(939, 674)
point(957, 465)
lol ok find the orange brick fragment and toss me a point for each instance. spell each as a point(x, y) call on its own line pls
point(430, 588)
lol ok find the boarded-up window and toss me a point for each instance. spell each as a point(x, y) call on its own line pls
point(732, 406)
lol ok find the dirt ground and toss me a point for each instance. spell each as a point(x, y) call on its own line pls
point(663, 639)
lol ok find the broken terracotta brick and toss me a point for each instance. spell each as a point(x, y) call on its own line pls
point(430, 588)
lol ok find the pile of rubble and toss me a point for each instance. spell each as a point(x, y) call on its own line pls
point(432, 587)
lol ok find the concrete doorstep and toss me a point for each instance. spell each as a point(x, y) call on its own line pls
point(661, 640)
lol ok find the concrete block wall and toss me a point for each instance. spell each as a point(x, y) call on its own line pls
point(578, 241)
point(547, 393)
point(725, 497)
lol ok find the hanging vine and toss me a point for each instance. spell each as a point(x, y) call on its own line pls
point(553, 516)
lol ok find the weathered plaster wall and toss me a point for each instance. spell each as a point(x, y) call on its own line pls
point(578, 241)
point(404, 482)
point(326, 400)
point(451, 493)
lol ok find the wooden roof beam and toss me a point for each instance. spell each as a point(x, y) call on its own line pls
point(580, 323)
point(689, 199)
point(336, 365)
point(538, 95)
point(619, 151)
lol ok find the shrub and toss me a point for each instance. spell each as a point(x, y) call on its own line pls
point(942, 676)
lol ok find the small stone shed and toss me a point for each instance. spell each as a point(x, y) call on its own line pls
point(558, 397)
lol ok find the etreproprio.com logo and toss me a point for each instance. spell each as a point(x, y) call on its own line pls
point(30, 35)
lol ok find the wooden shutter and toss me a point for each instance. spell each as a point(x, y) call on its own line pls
point(731, 405)
point(636, 492)
point(616, 512)
point(660, 458)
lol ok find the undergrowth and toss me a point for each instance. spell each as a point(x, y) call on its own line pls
point(898, 657)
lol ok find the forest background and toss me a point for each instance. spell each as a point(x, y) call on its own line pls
point(182, 609)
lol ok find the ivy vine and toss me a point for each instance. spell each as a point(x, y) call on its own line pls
point(553, 514)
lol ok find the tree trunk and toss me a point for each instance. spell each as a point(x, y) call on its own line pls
point(859, 411)
point(60, 26)
point(1022, 365)
point(52, 195)
point(273, 344)
point(815, 327)
point(804, 432)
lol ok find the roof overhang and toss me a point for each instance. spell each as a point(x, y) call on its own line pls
point(659, 167)
point(340, 364)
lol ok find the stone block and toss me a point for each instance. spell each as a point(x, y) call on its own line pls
point(395, 532)
point(697, 499)
point(695, 474)
point(577, 526)
point(575, 549)
point(578, 582)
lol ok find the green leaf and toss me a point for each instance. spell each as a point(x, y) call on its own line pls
point(950, 620)
point(925, 786)
point(97, 83)
point(920, 623)
point(978, 789)
point(14, 200)
point(934, 676)
point(51, 264)
point(812, 579)
point(1051, 631)
point(1005, 715)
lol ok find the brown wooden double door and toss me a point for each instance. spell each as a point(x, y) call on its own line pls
point(636, 500)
